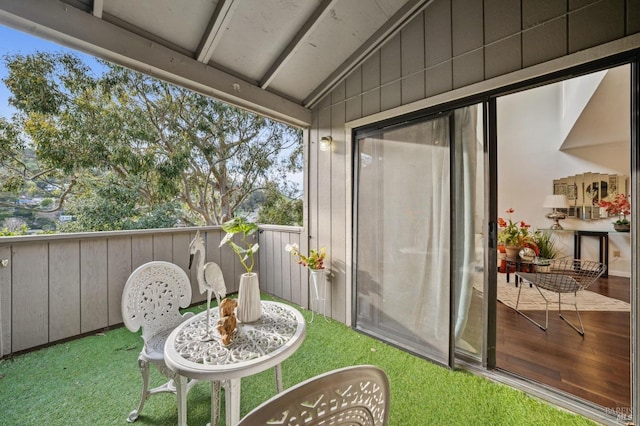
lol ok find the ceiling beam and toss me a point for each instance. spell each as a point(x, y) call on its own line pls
point(392, 26)
point(290, 50)
point(98, 7)
point(82, 31)
point(221, 17)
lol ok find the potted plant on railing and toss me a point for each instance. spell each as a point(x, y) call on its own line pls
point(249, 305)
point(515, 235)
point(619, 206)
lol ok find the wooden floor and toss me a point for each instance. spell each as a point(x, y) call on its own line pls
point(595, 367)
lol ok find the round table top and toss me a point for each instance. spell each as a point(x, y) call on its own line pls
point(255, 346)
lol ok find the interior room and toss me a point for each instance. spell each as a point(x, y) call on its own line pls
point(577, 129)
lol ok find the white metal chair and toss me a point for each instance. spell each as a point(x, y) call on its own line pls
point(357, 395)
point(151, 300)
point(565, 275)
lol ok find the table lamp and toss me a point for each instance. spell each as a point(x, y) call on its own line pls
point(556, 202)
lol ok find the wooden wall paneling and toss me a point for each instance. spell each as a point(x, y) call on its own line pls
point(467, 26)
point(276, 266)
point(64, 286)
point(299, 276)
point(503, 56)
point(353, 89)
point(286, 269)
point(5, 300)
point(327, 181)
point(141, 250)
point(371, 85)
point(544, 42)
point(338, 210)
point(390, 74)
point(502, 18)
point(30, 298)
point(94, 312)
point(163, 247)
point(269, 284)
point(468, 68)
point(596, 24)
point(119, 269)
point(438, 48)
point(412, 52)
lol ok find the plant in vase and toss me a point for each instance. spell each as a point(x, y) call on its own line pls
point(619, 206)
point(249, 305)
point(315, 262)
point(515, 235)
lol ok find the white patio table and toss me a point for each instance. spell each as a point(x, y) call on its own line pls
point(255, 347)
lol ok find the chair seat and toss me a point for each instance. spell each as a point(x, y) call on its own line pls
point(154, 347)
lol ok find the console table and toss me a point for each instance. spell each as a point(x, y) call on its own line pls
point(603, 239)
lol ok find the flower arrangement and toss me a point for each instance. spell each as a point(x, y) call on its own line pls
point(315, 260)
point(515, 234)
point(620, 206)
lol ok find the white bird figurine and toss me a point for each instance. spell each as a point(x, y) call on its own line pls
point(209, 275)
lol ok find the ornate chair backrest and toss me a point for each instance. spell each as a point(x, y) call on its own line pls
point(152, 297)
point(357, 395)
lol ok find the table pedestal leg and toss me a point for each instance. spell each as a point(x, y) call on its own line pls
point(278, 371)
point(232, 401)
point(181, 393)
point(215, 402)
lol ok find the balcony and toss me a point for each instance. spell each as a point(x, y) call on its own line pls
point(57, 287)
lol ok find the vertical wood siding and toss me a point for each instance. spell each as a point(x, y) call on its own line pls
point(56, 287)
point(450, 45)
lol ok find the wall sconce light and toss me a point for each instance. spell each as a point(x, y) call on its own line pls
point(325, 143)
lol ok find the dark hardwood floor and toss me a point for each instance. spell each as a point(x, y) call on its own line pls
point(595, 367)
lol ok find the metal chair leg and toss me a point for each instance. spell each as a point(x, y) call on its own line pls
point(546, 323)
point(575, 306)
point(144, 370)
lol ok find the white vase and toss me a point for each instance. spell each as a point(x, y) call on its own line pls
point(249, 306)
point(318, 291)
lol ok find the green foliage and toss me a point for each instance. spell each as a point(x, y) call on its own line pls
point(239, 225)
point(280, 210)
point(546, 244)
point(22, 230)
point(165, 143)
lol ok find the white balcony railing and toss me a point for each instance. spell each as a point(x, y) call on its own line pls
point(55, 287)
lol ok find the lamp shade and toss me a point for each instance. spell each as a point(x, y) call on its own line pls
point(556, 202)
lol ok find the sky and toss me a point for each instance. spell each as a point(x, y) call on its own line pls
point(17, 42)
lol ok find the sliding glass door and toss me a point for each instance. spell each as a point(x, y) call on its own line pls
point(405, 226)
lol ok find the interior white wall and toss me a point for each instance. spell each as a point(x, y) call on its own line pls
point(530, 132)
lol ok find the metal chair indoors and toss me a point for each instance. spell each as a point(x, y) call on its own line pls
point(565, 275)
point(151, 300)
point(356, 395)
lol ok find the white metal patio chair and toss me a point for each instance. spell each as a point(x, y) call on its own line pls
point(565, 275)
point(151, 300)
point(356, 395)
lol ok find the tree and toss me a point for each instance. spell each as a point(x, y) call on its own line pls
point(278, 209)
point(141, 136)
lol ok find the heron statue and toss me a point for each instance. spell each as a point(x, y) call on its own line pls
point(209, 275)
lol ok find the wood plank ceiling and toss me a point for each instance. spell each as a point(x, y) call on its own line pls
point(275, 57)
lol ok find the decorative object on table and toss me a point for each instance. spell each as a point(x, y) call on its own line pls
point(514, 235)
point(315, 263)
point(151, 300)
point(618, 205)
point(555, 202)
point(249, 305)
point(209, 276)
point(227, 322)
